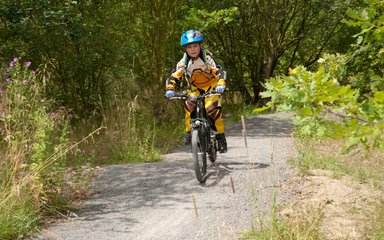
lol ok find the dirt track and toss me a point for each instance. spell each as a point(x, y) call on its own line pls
point(155, 200)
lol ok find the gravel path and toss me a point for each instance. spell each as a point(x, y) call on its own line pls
point(156, 200)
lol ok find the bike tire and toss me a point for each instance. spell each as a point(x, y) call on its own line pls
point(199, 156)
point(213, 152)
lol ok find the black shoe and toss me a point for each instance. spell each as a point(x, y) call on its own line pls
point(222, 143)
point(187, 138)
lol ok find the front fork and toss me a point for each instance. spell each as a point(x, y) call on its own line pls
point(209, 137)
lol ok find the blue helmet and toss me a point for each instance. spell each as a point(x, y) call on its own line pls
point(191, 36)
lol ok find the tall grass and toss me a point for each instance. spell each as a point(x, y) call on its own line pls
point(130, 139)
point(139, 129)
point(33, 149)
point(297, 228)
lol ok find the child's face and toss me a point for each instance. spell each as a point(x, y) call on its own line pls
point(193, 50)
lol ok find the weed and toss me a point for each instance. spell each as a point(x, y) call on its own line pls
point(308, 159)
point(34, 152)
point(299, 226)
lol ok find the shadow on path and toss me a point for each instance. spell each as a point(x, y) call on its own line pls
point(223, 169)
point(263, 126)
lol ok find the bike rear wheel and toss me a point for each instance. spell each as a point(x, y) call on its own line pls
point(213, 152)
point(199, 156)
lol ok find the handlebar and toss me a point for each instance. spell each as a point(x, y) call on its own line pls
point(184, 96)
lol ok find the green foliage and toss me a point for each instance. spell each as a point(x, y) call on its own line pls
point(356, 107)
point(324, 107)
point(76, 38)
point(95, 57)
point(90, 47)
point(368, 125)
point(203, 20)
point(258, 39)
point(31, 138)
point(366, 57)
point(17, 219)
point(311, 96)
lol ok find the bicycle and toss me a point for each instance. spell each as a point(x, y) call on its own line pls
point(203, 142)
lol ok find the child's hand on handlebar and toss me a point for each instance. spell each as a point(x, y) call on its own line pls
point(220, 89)
point(169, 93)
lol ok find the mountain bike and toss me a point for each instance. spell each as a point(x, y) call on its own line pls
point(203, 142)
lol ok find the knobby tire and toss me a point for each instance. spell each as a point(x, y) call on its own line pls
point(213, 151)
point(199, 156)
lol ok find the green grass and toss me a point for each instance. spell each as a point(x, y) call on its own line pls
point(296, 227)
point(307, 160)
point(284, 230)
point(17, 217)
point(232, 112)
point(328, 155)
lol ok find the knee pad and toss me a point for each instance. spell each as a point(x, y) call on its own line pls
point(214, 111)
point(189, 106)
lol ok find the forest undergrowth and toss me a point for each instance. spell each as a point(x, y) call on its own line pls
point(49, 154)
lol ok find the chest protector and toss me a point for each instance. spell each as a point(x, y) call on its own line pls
point(198, 72)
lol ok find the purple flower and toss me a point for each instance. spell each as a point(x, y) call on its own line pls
point(25, 81)
point(15, 59)
point(11, 64)
point(28, 63)
point(33, 72)
point(8, 80)
point(1, 90)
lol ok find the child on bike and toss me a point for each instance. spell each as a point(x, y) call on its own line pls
point(202, 75)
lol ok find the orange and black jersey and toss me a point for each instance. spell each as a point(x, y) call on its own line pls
point(201, 72)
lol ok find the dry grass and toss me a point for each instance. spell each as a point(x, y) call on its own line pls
point(365, 166)
point(336, 196)
point(348, 188)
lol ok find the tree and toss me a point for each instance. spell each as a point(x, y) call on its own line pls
point(266, 36)
point(91, 49)
point(366, 58)
point(74, 39)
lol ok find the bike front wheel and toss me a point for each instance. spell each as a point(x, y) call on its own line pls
point(199, 156)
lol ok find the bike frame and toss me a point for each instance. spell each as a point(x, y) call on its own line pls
point(204, 144)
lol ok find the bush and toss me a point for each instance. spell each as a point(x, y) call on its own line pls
point(325, 108)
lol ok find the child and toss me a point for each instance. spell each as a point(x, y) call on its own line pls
point(202, 75)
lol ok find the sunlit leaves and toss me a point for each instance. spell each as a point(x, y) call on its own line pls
point(324, 107)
